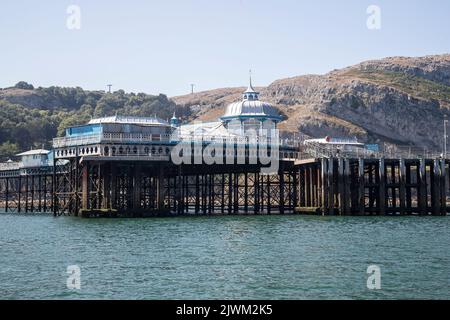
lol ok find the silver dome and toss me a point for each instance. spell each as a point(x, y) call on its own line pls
point(251, 108)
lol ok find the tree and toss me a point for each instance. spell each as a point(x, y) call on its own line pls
point(23, 125)
point(8, 150)
point(24, 85)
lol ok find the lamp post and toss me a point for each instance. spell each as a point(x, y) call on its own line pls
point(445, 136)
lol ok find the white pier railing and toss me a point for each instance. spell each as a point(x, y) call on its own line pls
point(108, 137)
point(9, 166)
point(77, 141)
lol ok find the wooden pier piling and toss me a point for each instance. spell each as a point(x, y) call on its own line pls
point(325, 186)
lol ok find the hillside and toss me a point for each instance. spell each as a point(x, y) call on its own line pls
point(396, 100)
point(30, 118)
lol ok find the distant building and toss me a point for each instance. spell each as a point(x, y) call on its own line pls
point(115, 136)
point(35, 158)
point(343, 142)
point(28, 162)
point(152, 138)
point(341, 145)
point(250, 116)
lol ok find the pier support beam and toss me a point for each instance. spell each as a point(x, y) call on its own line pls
point(361, 187)
point(308, 187)
point(160, 190)
point(443, 187)
point(402, 181)
point(341, 186)
point(324, 189)
point(422, 187)
point(331, 186)
point(282, 191)
point(85, 186)
point(347, 186)
point(106, 174)
point(408, 189)
point(113, 187)
point(382, 187)
point(7, 195)
point(137, 184)
point(435, 193)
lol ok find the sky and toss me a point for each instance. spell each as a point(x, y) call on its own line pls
point(162, 46)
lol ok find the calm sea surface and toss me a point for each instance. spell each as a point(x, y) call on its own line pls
point(264, 257)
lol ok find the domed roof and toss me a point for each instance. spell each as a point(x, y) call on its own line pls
point(251, 106)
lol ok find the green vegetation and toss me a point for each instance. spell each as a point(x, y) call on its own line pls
point(356, 102)
point(24, 85)
point(413, 85)
point(22, 128)
point(32, 118)
point(8, 148)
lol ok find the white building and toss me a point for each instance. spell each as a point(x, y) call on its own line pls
point(35, 158)
point(250, 116)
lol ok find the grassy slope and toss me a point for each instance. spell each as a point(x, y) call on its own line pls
point(413, 85)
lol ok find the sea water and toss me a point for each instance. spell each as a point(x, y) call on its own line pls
point(226, 257)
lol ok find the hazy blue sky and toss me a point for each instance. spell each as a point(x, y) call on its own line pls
point(163, 46)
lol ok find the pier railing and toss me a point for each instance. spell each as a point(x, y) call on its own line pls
point(77, 141)
point(9, 166)
point(134, 137)
point(317, 150)
point(108, 137)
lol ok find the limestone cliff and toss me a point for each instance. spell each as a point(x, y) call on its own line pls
point(396, 100)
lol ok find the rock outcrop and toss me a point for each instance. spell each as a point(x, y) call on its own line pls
point(398, 100)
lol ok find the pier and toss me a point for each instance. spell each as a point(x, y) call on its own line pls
point(323, 186)
point(349, 186)
point(129, 166)
point(130, 187)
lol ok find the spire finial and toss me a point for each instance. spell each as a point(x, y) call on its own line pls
point(174, 120)
point(250, 93)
